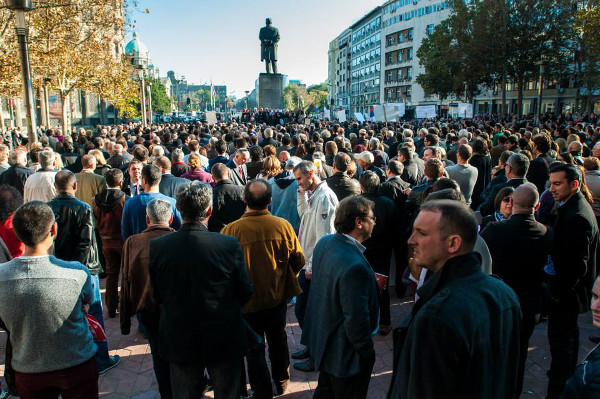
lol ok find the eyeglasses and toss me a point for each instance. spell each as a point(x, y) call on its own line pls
point(373, 218)
point(506, 199)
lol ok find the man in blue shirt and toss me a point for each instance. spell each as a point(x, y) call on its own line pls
point(134, 213)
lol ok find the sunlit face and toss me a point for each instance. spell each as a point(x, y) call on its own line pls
point(135, 172)
point(304, 180)
point(506, 206)
point(368, 223)
point(427, 155)
point(560, 188)
point(426, 241)
point(241, 158)
point(596, 303)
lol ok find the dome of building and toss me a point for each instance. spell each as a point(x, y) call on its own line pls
point(138, 51)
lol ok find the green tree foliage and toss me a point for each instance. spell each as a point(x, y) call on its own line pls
point(587, 51)
point(485, 42)
point(160, 100)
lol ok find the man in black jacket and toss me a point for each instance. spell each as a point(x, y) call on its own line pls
point(168, 183)
point(340, 183)
point(200, 282)
point(571, 279)
point(228, 204)
point(516, 169)
point(411, 173)
point(519, 248)
point(76, 241)
point(379, 245)
point(18, 173)
point(461, 339)
point(539, 167)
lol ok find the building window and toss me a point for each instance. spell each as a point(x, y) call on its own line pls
point(430, 29)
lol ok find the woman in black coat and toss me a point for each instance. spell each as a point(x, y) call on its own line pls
point(483, 162)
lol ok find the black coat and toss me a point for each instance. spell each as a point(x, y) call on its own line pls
point(487, 207)
point(411, 173)
point(169, 183)
point(200, 281)
point(343, 185)
point(72, 162)
point(585, 383)
point(539, 172)
point(574, 254)
point(16, 176)
point(483, 164)
point(394, 190)
point(228, 205)
point(117, 161)
point(461, 339)
point(75, 238)
point(519, 247)
point(380, 245)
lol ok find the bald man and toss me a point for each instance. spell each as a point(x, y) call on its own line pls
point(520, 247)
point(89, 183)
point(273, 260)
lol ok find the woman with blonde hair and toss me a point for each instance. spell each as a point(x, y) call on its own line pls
point(101, 166)
point(271, 168)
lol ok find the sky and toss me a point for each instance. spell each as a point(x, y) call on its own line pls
point(218, 40)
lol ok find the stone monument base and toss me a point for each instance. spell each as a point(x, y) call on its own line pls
point(270, 90)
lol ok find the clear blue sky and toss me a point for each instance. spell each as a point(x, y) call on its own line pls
point(218, 40)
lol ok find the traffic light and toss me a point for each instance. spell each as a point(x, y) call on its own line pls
point(189, 101)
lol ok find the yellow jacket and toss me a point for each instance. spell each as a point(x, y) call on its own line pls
point(273, 257)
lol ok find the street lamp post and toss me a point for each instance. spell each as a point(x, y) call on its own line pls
point(20, 7)
point(143, 86)
point(247, 91)
point(150, 101)
point(542, 65)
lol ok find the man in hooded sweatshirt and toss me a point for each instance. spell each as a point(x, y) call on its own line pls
point(108, 210)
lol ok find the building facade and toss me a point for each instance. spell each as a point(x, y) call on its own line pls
point(405, 25)
point(365, 62)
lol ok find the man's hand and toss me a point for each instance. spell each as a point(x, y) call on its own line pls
point(85, 308)
point(406, 191)
point(307, 274)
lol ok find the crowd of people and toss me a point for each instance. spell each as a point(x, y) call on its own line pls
point(207, 234)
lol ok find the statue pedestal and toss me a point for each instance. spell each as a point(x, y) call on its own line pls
point(270, 90)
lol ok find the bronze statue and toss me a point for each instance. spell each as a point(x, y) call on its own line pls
point(269, 36)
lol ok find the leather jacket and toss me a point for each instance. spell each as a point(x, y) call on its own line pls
point(75, 239)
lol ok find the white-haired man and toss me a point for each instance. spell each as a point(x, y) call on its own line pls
point(18, 173)
point(40, 185)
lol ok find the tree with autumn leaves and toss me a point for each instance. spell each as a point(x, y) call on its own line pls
point(74, 45)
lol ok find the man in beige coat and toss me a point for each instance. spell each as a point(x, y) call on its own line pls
point(88, 183)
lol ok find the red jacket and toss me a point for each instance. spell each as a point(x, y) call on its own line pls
point(108, 210)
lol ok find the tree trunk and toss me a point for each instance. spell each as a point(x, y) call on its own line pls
point(2, 127)
point(503, 89)
point(589, 103)
point(520, 97)
point(65, 101)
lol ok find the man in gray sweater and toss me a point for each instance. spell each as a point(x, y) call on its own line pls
point(42, 302)
point(463, 173)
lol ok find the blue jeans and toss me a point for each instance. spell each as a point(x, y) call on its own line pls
point(102, 357)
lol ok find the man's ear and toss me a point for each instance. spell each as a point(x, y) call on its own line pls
point(53, 230)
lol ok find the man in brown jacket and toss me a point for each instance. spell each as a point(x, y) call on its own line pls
point(108, 210)
point(88, 183)
point(136, 294)
point(273, 258)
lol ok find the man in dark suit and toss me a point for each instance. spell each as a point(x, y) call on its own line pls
point(539, 167)
point(519, 248)
point(168, 183)
point(117, 160)
point(221, 149)
point(228, 199)
point(411, 172)
point(434, 170)
point(342, 310)
point(394, 186)
point(200, 282)
point(18, 173)
point(132, 181)
point(238, 171)
point(340, 183)
point(516, 169)
point(574, 259)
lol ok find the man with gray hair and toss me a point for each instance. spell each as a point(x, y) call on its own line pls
point(268, 139)
point(238, 171)
point(18, 172)
point(136, 298)
point(316, 206)
point(200, 282)
point(40, 185)
point(117, 160)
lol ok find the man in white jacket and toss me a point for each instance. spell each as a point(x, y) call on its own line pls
point(316, 207)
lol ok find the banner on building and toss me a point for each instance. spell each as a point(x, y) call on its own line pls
point(211, 117)
point(359, 117)
point(465, 110)
point(327, 114)
point(426, 112)
point(341, 115)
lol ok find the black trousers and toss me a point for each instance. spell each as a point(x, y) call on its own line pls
point(527, 327)
point(563, 336)
point(270, 323)
point(353, 387)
